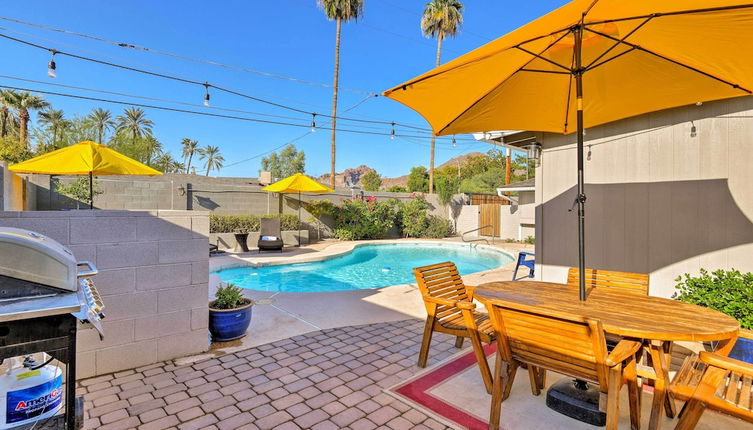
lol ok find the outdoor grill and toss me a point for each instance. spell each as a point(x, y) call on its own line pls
point(44, 292)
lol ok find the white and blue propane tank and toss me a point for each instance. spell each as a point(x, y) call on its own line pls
point(29, 392)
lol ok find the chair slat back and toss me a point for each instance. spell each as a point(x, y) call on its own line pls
point(572, 346)
point(441, 281)
point(626, 281)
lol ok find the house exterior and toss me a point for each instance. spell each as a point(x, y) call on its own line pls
point(518, 219)
point(669, 193)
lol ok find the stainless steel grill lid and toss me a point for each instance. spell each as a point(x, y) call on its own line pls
point(35, 258)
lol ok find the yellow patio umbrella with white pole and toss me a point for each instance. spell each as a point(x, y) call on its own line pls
point(298, 183)
point(84, 158)
point(591, 62)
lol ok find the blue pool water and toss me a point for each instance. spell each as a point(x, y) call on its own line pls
point(369, 266)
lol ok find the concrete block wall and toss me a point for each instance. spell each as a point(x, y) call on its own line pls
point(153, 275)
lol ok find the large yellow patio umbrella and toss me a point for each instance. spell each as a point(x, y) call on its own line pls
point(591, 62)
point(84, 158)
point(298, 183)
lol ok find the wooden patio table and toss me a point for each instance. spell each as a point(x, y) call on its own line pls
point(655, 320)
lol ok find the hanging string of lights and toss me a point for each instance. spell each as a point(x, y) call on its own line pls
point(181, 57)
point(205, 84)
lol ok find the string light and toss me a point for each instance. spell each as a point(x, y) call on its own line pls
point(51, 66)
point(454, 143)
point(313, 123)
point(392, 134)
point(206, 95)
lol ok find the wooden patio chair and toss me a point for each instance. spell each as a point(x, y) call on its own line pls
point(569, 345)
point(712, 381)
point(450, 308)
point(596, 278)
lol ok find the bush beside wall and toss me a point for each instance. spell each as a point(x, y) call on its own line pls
point(248, 223)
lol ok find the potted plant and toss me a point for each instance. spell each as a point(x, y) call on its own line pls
point(229, 313)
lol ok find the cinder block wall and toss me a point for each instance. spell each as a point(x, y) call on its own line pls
point(153, 274)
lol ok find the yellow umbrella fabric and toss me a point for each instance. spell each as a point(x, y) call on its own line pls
point(82, 159)
point(298, 183)
point(638, 56)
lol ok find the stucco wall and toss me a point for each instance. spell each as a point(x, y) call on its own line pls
point(668, 193)
point(153, 274)
point(517, 221)
point(467, 219)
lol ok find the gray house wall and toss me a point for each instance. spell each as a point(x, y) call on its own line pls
point(669, 193)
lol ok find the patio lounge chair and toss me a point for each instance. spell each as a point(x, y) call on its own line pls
point(712, 381)
point(568, 345)
point(270, 237)
point(450, 308)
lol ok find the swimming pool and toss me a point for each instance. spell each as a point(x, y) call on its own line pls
point(367, 266)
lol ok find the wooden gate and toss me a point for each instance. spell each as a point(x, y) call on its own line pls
point(488, 214)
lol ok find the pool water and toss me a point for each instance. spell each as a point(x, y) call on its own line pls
point(369, 266)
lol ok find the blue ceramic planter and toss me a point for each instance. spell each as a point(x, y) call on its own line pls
point(229, 324)
point(743, 350)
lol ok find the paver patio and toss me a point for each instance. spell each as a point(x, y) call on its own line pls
point(328, 379)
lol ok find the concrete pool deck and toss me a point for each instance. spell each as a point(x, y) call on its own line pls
point(280, 316)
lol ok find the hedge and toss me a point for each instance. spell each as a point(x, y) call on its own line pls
point(248, 223)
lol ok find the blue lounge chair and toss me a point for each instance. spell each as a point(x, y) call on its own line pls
point(530, 264)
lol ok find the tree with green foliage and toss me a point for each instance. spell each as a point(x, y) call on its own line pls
point(103, 121)
point(441, 18)
point(135, 123)
point(397, 189)
point(483, 183)
point(78, 190)
point(418, 180)
point(23, 102)
point(338, 11)
point(446, 188)
point(189, 148)
point(54, 120)
point(288, 162)
point(8, 121)
point(371, 181)
point(12, 151)
point(214, 160)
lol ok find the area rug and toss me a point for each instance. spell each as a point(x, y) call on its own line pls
point(453, 392)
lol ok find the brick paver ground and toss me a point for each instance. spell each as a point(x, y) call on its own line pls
point(329, 379)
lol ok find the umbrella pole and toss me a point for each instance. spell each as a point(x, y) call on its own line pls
point(299, 218)
point(581, 198)
point(91, 191)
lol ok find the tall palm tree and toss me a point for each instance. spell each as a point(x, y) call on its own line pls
point(441, 18)
point(23, 102)
point(134, 121)
point(339, 11)
point(151, 147)
point(213, 157)
point(190, 147)
point(103, 121)
point(55, 120)
point(8, 121)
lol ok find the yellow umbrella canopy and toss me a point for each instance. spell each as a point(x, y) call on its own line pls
point(638, 56)
point(298, 183)
point(82, 159)
point(590, 62)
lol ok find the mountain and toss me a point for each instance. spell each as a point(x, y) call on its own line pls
point(353, 176)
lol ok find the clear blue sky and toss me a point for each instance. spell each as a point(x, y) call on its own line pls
point(285, 37)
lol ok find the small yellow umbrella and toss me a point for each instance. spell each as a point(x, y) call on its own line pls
point(84, 158)
point(298, 183)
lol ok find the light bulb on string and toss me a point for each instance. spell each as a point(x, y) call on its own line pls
point(313, 123)
point(51, 66)
point(206, 94)
point(392, 134)
point(454, 143)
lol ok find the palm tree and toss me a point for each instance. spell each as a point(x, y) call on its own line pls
point(190, 147)
point(134, 121)
point(23, 102)
point(151, 147)
point(441, 18)
point(8, 121)
point(213, 157)
point(103, 121)
point(339, 11)
point(55, 120)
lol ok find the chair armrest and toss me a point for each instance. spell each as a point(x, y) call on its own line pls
point(460, 304)
point(726, 363)
point(745, 334)
point(624, 350)
point(469, 291)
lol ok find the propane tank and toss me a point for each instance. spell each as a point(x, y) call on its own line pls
point(29, 392)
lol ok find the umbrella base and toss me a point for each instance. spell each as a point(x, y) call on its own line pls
point(578, 400)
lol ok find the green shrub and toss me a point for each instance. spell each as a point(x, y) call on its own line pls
point(530, 240)
point(729, 292)
point(228, 296)
point(413, 217)
point(437, 228)
point(248, 223)
point(358, 219)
